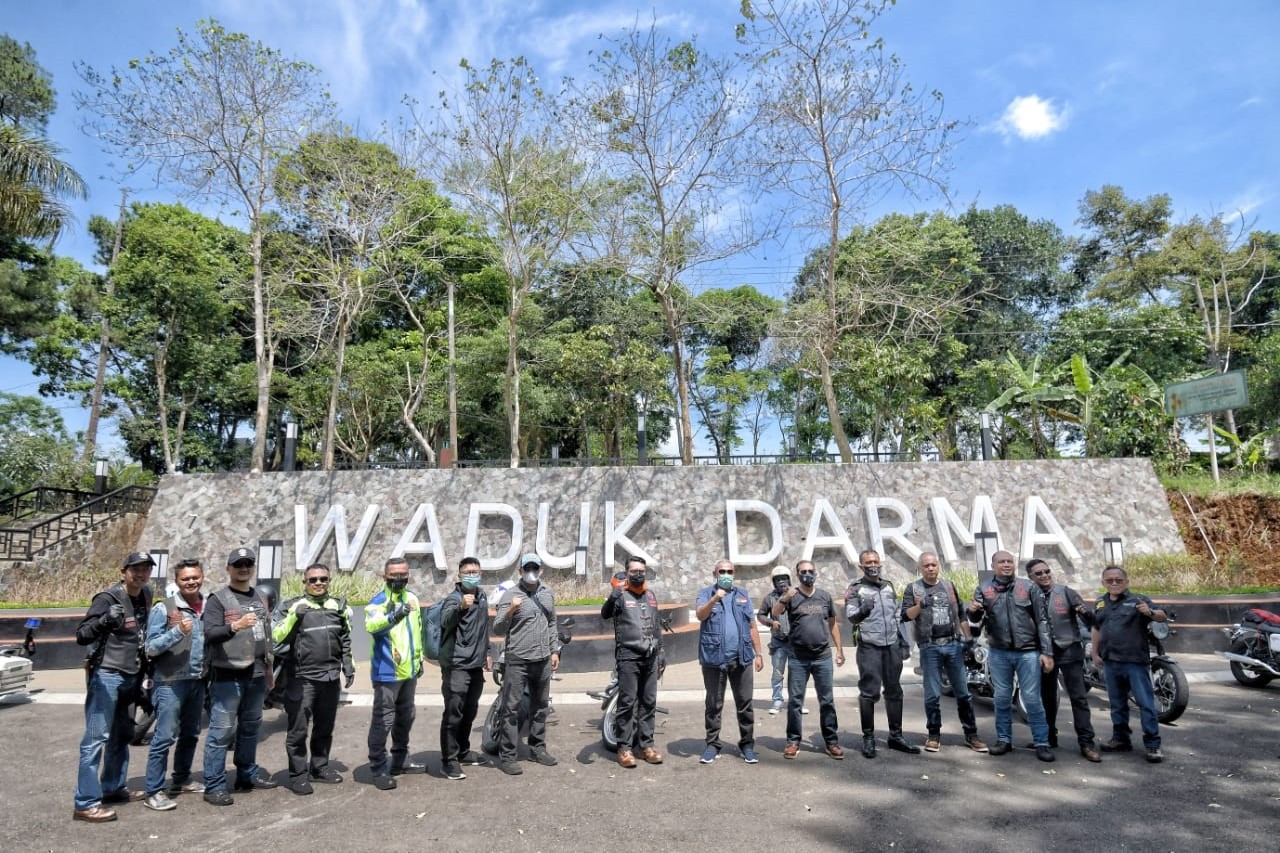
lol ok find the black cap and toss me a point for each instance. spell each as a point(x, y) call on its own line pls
point(239, 554)
point(138, 558)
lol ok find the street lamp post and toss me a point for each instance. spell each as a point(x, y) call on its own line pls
point(985, 545)
point(100, 471)
point(1113, 551)
point(642, 435)
point(987, 450)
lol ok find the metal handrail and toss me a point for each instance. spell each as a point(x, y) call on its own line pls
point(41, 499)
point(25, 543)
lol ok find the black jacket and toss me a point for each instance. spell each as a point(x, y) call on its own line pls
point(1015, 616)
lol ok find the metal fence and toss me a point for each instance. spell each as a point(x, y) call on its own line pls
point(27, 542)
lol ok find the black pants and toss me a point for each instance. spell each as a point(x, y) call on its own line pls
point(461, 689)
point(879, 668)
point(738, 677)
point(393, 712)
point(1068, 665)
point(521, 674)
point(637, 701)
point(314, 704)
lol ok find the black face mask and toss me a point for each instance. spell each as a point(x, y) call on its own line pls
point(636, 579)
point(807, 578)
point(397, 584)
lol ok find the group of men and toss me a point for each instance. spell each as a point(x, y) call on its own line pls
point(227, 643)
point(1034, 637)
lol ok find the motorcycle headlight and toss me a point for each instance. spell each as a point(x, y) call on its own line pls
point(980, 655)
point(1159, 630)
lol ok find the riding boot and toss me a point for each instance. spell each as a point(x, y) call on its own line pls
point(867, 711)
point(893, 710)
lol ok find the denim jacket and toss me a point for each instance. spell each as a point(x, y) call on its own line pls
point(167, 646)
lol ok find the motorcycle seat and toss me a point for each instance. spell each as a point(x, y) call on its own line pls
point(1264, 620)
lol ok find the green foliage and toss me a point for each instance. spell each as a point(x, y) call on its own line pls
point(356, 587)
point(1200, 484)
point(1185, 574)
point(34, 447)
point(27, 97)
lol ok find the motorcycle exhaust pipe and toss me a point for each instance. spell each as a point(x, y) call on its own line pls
point(1248, 661)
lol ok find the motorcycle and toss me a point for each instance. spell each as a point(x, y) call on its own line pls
point(608, 699)
point(978, 677)
point(493, 719)
point(1167, 678)
point(16, 669)
point(1255, 648)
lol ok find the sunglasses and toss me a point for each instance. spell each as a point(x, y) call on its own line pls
point(1040, 573)
point(1110, 581)
point(318, 580)
point(725, 572)
point(242, 565)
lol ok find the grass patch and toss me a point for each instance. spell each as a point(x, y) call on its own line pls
point(1200, 484)
point(965, 581)
point(1186, 574)
point(32, 587)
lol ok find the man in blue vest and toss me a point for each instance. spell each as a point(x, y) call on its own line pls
point(237, 625)
point(729, 652)
point(175, 644)
point(113, 626)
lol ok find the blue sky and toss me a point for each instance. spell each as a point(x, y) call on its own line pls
point(1058, 97)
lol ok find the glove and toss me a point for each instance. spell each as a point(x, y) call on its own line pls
point(349, 677)
point(397, 613)
point(114, 618)
point(926, 602)
point(968, 647)
point(865, 609)
point(300, 607)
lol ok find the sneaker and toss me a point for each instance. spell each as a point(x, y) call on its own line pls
point(160, 802)
point(868, 746)
point(1001, 747)
point(124, 796)
point(901, 744)
point(1044, 753)
point(301, 786)
point(94, 814)
point(326, 775)
point(1154, 756)
point(836, 751)
point(975, 743)
point(749, 756)
point(790, 750)
point(1117, 745)
point(709, 755)
point(218, 798)
point(453, 771)
point(471, 759)
point(510, 768)
point(932, 743)
point(384, 783)
point(259, 782)
point(804, 710)
point(541, 756)
point(777, 706)
point(191, 787)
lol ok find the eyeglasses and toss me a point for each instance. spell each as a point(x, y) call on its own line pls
point(1040, 573)
point(318, 580)
point(1110, 581)
point(725, 572)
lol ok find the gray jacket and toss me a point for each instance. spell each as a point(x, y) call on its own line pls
point(531, 634)
point(873, 610)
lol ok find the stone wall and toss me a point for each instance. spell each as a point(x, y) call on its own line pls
point(684, 528)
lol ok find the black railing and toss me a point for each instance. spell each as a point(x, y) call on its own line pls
point(25, 543)
point(40, 500)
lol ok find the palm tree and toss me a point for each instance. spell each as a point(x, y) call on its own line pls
point(32, 180)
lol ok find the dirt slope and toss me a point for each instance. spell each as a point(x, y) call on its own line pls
point(1246, 526)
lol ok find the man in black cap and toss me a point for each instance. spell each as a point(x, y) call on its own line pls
point(113, 627)
point(526, 615)
point(237, 627)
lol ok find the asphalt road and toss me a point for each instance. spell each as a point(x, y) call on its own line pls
point(1218, 789)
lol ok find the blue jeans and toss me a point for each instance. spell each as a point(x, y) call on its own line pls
point(1003, 664)
point(1123, 679)
point(179, 707)
point(778, 659)
point(235, 713)
point(823, 672)
point(108, 728)
point(933, 660)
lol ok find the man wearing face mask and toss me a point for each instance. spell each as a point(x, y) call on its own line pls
point(812, 616)
point(1017, 627)
point(728, 650)
point(778, 627)
point(393, 619)
point(526, 616)
point(871, 604)
point(638, 652)
point(464, 659)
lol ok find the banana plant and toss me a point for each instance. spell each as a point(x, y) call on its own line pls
point(1032, 389)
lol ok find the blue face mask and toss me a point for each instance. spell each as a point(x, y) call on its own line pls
point(724, 581)
point(470, 581)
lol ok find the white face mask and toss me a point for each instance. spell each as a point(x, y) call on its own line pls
point(530, 577)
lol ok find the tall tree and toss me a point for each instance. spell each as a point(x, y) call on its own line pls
point(214, 115)
point(27, 98)
point(844, 127)
point(669, 119)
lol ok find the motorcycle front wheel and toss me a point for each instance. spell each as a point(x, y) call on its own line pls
point(143, 720)
point(1249, 676)
point(489, 740)
point(1171, 689)
point(609, 725)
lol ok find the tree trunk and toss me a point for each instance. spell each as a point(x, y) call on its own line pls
point(511, 387)
point(262, 356)
point(331, 416)
point(833, 409)
point(104, 341)
point(672, 319)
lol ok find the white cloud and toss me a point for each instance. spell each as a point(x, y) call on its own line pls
point(1031, 117)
